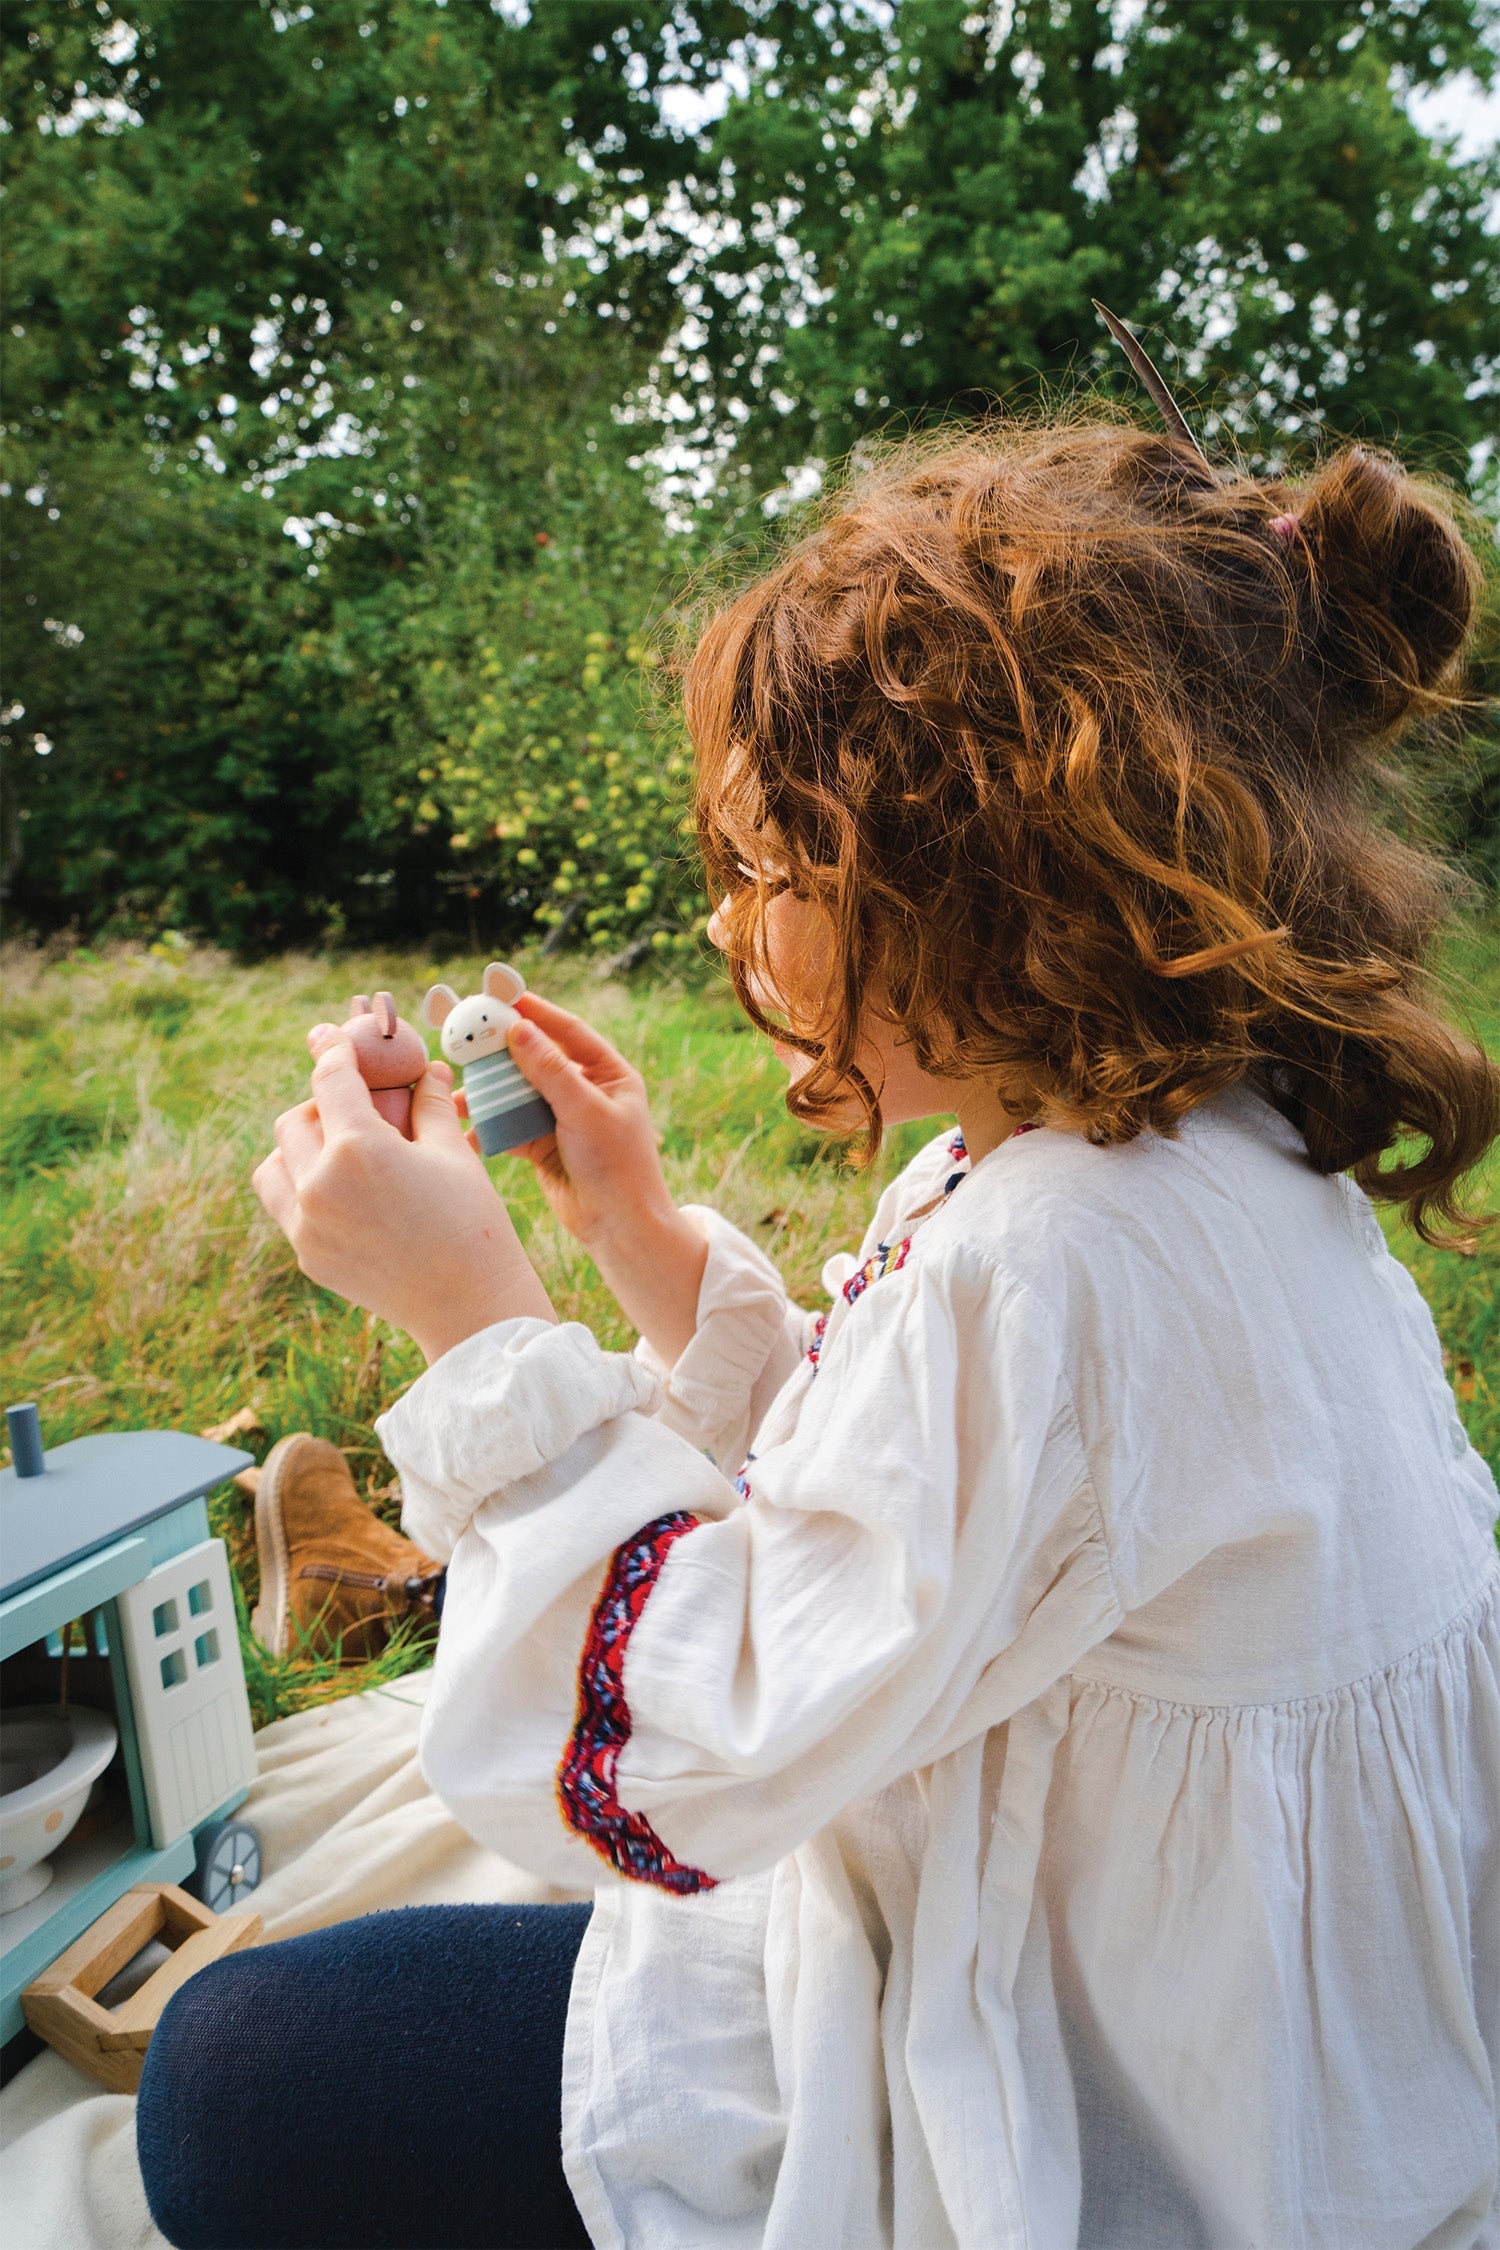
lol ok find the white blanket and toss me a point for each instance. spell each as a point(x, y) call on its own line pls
point(348, 1825)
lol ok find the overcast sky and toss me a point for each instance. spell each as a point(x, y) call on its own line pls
point(1463, 108)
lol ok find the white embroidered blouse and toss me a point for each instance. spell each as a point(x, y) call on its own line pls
point(1056, 1783)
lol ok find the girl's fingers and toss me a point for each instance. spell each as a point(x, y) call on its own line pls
point(434, 1114)
point(554, 1073)
point(577, 1039)
point(461, 1111)
point(343, 1098)
point(272, 1182)
point(299, 1141)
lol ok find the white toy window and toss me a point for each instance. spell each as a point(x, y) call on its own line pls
point(192, 1714)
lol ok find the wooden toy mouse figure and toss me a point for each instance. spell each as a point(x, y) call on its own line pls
point(504, 1109)
point(392, 1056)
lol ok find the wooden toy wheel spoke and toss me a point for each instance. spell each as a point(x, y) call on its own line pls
point(229, 1864)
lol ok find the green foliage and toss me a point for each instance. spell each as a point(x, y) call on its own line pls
point(207, 761)
point(1248, 182)
point(310, 341)
point(340, 342)
point(1463, 1287)
point(540, 756)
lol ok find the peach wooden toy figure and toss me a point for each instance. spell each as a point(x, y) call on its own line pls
point(392, 1056)
point(504, 1109)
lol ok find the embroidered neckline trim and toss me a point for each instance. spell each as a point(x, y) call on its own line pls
point(890, 1257)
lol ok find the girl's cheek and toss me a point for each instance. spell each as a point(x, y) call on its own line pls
point(797, 954)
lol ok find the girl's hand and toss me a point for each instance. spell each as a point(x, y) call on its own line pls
point(412, 1230)
point(602, 1176)
point(599, 1171)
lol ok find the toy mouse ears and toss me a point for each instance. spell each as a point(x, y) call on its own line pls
point(1149, 379)
point(502, 982)
point(384, 1012)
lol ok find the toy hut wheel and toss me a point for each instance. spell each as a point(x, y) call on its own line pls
point(228, 1864)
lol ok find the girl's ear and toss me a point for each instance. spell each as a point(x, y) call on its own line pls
point(502, 982)
point(440, 1002)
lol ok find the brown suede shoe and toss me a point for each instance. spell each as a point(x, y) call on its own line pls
point(333, 1577)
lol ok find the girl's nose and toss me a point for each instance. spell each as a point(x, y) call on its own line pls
point(718, 926)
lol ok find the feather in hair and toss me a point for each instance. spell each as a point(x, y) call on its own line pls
point(1149, 377)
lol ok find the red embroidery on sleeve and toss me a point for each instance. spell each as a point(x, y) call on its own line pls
point(586, 1777)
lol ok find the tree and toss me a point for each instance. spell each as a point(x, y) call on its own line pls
point(333, 330)
point(924, 230)
point(310, 323)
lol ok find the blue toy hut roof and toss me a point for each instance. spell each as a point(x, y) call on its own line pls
point(97, 1489)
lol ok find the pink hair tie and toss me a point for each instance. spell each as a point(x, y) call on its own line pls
point(1285, 527)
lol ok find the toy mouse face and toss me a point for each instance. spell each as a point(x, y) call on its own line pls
point(476, 1026)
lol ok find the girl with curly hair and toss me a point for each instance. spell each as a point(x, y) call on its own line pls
point(1031, 1728)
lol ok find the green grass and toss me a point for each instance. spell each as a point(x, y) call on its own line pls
point(1464, 1291)
point(143, 1286)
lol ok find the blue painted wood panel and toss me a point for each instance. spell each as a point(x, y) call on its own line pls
point(97, 1489)
point(83, 1586)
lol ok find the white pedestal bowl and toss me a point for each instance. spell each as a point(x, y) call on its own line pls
point(49, 1761)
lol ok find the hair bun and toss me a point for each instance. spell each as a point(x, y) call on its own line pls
point(1395, 582)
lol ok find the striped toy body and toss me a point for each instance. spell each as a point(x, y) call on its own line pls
point(504, 1109)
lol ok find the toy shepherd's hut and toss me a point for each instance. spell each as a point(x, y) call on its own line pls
point(123, 1717)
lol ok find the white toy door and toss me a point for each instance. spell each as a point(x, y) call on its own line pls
point(192, 1715)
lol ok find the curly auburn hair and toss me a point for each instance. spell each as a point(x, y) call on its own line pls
point(1071, 740)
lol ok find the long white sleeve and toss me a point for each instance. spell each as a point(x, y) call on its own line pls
point(748, 1339)
point(641, 1662)
point(516, 1396)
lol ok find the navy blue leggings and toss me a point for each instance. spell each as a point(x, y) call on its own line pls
point(388, 2084)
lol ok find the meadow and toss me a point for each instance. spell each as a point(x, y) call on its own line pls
point(143, 1286)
